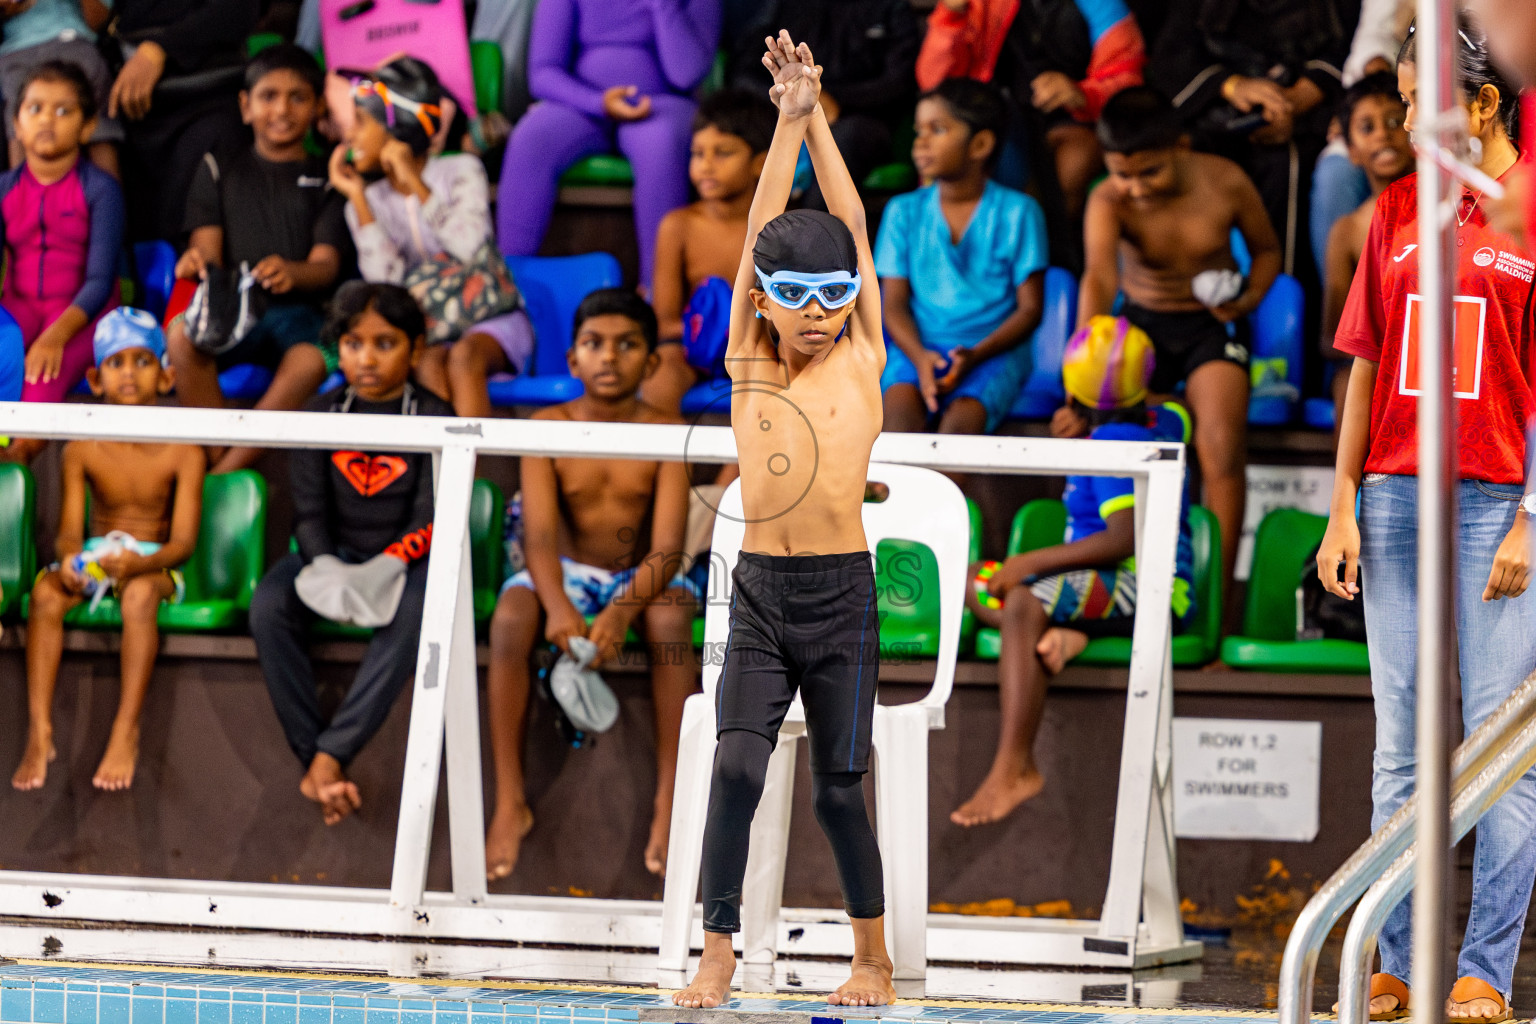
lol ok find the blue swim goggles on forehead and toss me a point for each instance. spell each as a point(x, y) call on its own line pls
point(793, 290)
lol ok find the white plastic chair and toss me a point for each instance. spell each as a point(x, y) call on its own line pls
point(922, 506)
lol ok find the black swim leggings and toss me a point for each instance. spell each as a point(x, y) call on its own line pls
point(741, 765)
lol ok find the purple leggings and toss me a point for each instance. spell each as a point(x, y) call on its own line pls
point(552, 136)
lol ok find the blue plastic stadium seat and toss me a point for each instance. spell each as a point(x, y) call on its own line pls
point(1277, 354)
point(1318, 413)
point(154, 265)
point(1043, 394)
point(552, 287)
point(710, 396)
point(245, 382)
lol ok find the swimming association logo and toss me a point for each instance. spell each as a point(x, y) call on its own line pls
point(1484, 257)
point(789, 450)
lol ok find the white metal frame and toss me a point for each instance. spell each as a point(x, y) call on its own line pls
point(1140, 926)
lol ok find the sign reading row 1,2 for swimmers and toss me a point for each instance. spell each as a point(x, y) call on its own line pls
point(1234, 778)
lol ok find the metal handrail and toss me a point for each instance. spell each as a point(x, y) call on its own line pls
point(1299, 966)
point(1468, 806)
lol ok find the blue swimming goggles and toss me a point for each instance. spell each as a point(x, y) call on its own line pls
point(792, 290)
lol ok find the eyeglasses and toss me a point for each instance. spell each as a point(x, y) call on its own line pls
point(793, 291)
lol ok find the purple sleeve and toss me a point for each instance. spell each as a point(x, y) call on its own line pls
point(104, 200)
point(687, 32)
point(551, 43)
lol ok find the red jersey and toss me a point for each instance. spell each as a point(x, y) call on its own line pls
point(1493, 339)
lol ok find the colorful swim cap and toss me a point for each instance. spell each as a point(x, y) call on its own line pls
point(404, 96)
point(1108, 363)
point(125, 328)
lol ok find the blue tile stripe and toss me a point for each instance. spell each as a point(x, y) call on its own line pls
point(59, 994)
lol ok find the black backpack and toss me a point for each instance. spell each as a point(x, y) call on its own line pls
point(1321, 615)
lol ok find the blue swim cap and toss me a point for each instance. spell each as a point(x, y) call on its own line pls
point(125, 328)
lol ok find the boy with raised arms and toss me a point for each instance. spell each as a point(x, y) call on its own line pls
point(804, 356)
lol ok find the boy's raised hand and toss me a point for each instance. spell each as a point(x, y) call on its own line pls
point(796, 77)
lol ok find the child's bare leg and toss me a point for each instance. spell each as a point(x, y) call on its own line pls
point(711, 986)
point(1218, 397)
point(45, 647)
point(471, 361)
point(666, 387)
point(140, 602)
point(295, 382)
point(104, 155)
point(963, 416)
point(1078, 161)
point(674, 677)
point(514, 632)
point(23, 450)
point(905, 412)
point(1021, 681)
point(431, 371)
point(870, 982)
point(197, 374)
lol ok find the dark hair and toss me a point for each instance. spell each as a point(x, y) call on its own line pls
point(286, 57)
point(617, 302)
point(738, 112)
point(1382, 83)
point(1138, 119)
point(807, 241)
point(390, 301)
point(977, 105)
point(1475, 68)
point(67, 72)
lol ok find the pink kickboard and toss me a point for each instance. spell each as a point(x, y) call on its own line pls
point(364, 33)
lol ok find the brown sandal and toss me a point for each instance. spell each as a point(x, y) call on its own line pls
point(1469, 988)
point(1390, 985)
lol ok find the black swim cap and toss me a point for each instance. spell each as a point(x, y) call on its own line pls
point(805, 241)
point(419, 117)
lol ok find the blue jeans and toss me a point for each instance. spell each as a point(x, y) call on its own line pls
point(1496, 647)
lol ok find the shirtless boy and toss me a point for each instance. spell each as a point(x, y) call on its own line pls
point(153, 493)
point(1165, 215)
point(805, 357)
point(1372, 113)
point(583, 524)
point(698, 246)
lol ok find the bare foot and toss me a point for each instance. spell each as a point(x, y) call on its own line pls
point(115, 771)
point(1059, 646)
point(33, 770)
point(868, 985)
point(656, 847)
point(711, 987)
point(997, 796)
point(504, 839)
point(1478, 1008)
point(327, 785)
point(1382, 1005)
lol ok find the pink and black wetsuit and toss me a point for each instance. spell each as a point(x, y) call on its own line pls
point(62, 243)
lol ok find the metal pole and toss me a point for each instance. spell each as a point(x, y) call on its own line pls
point(1437, 514)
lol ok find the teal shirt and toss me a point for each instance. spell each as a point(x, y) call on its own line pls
point(961, 293)
point(44, 22)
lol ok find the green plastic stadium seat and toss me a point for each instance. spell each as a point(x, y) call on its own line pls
point(600, 170)
point(486, 507)
point(1043, 523)
point(907, 580)
point(485, 64)
point(892, 177)
point(18, 552)
point(259, 41)
point(1282, 546)
point(223, 570)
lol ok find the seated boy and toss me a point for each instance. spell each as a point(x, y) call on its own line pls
point(699, 245)
point(962, 272)
point(1372, 114)
point(1054, 599)
point(59, 30)
point(584, 540)
point(1163, 220)
point(147, 504)
point(270, 207)
point(363, 523)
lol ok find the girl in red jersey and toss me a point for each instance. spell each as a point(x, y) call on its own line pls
point(1495, 624)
